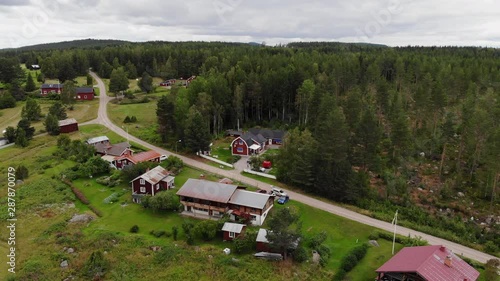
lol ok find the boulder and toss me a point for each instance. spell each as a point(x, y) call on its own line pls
point(64, 264)
point(82, 218)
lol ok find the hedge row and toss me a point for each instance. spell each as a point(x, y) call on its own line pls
point(350, 261)
point(79, 194)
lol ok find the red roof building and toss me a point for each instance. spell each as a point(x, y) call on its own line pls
point(132, 159)
point(426, 263)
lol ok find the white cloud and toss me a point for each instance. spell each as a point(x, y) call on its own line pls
point(392, 22)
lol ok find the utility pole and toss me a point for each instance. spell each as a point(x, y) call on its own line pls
point(395, 222)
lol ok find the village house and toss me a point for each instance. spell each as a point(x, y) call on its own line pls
point(151, 182)
point(207, 199)
point(248, 144)
point(231, 230)
point(254, 141)
point(85, 93)
point(119, 149)
point(68, 125)
point(167, 83)
point(124, 160)
point(426, 263)
point(262, 244)
point(46, 89)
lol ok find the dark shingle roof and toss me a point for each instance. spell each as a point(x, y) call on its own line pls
point(267, 133)
point(84, 90)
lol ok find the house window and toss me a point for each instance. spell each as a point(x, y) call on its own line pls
point(142, 181)
point(240, 149)
point(240, 142)
point(157, 186)
point(254, 218)
point(84, 97)
point(143, 189)
point(231, 234)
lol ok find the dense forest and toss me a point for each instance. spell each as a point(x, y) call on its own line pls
point(358, 115)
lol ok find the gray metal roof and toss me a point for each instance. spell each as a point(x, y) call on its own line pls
point(262, 236)
point(68, 121)
point(155, 175)
point(97, 139)
point(207, 190)
point(233, 227)
point(249, 199)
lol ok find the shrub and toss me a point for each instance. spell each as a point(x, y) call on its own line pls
point(300, 254)
point(127, 119)
point(490, 247)
point(134, 228)
point(157, 233)
point(175, 231)
point(96, 266)
point(324, 251)
point(22, 172)
point(317, 239)
point(351, 260)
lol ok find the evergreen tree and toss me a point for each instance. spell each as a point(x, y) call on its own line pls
point(52, 125)
point(30, 84)
point(146, 82)
point(90, 80)
point(25, 125)
point(68, 93)
point(7, 101)
point(31, 111)
point(21, 139)
point(366, 141)
point(10, 134)
point(131, 70)
point(197, 134)
point(284, 230)
point(58, 110)
point(118, 81)
point(165, 115)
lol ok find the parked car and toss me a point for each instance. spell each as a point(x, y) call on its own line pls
point(277, 192)
point(262, 191)
point(163, 158)
point(283, 199)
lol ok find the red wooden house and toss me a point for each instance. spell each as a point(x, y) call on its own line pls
point(426, 263)
point(118, 150)
point(46, 89)
point(68, 125)
point(85, 93)
point(151, 182)
point(248, 144)
point(132, 159)
point(232, 230)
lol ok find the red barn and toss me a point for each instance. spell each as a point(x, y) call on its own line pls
point(68, 126)
point(129, 159)
point(232, 230)
point(46, 89)
point(426, 263)
point(85, 93)
point(151, 182)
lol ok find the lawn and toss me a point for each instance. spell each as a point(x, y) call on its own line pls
point(222, 149)
point(94, 130)
point(145, 127)
point(82, 112)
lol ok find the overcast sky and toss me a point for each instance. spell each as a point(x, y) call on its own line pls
point(390, 22)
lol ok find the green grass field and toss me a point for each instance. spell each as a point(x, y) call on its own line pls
point(95, 130)
point(145, 127)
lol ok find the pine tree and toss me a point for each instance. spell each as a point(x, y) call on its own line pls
point(58, 110)
point(68, 93)
point(10, 134)
point(118, 81)
point(30, 84)
point(52, 125)
point(21, 139)
point(25, 125)
point(31, 111)
point(165, 109)
point(197, 134)
point(146, 82)
point(90, 80)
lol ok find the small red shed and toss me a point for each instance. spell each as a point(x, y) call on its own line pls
point(85, 93)
point(68, 125)
point(232, 230)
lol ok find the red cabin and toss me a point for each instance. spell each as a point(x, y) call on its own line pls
point(85, 93)
point(68, 126)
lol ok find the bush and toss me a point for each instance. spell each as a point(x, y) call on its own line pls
point(490, 247)
point(134, 228)
point(22, 172)
point(373, 236)
point(157, 233)
point(300, 254)
point(351, 260)
point(324, 251)
point(175, 231)
point(317, 239)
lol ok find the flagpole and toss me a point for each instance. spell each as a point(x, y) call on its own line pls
point(395, 222)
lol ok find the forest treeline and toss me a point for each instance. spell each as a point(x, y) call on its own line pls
point(354, 112)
